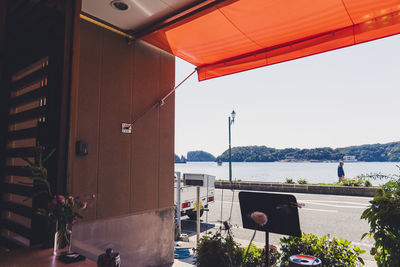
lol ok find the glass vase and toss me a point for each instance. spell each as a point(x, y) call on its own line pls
point(62, 239)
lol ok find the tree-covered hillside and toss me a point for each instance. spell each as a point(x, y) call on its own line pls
point(375, 152)
point(199, 156)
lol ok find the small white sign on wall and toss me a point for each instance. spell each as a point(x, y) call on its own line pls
point(126, 128)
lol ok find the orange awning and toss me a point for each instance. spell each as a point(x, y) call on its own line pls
point(239, 35)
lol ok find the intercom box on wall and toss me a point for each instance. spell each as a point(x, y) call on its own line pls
point(82, 148)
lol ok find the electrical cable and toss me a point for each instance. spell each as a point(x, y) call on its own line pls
point(161, 102)
point(176, 87)
point(251, 241)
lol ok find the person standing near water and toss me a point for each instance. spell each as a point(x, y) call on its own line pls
point(340, 171)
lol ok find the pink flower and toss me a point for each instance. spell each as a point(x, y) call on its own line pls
point(259, 218)
point(53, 204)
point(71, 198)
point(61, 199)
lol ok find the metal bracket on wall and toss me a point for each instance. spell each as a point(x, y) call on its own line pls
point(126, 128)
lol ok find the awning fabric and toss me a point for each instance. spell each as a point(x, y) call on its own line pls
point(245, 34)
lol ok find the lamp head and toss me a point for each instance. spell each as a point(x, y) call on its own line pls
point(233, 114)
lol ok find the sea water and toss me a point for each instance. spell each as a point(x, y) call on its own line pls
point(280, 171)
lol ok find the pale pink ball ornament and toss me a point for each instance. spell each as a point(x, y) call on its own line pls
point(259, 218)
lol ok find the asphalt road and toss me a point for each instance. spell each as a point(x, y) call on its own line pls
point(338, 216)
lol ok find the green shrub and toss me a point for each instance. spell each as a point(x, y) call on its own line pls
point(256, 256)
point(367, 183)
point(353, 182)
point(327, 184)
point(273, 255)
point(217, 250)
point(289, 181)
point(223, 251)
point(302, 181)
point(335, 252)
point(383, 216)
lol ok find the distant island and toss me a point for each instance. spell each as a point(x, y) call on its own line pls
point(373, 152)
point(198, 155)
point(178, 159)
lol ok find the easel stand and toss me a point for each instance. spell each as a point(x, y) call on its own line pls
point(280, 209)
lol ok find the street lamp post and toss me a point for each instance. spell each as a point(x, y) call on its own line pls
point(231, 120)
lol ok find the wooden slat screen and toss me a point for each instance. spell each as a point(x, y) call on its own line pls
point(28, 101)
point(36, 51)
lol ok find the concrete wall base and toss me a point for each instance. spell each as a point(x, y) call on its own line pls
point(299, 188)
point(143, 239)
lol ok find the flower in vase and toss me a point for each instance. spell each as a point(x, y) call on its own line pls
point(74, 219)
point(53, 204)
point(61, 199)
point(64, 209)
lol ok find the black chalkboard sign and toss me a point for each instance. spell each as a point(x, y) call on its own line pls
point(281, 211)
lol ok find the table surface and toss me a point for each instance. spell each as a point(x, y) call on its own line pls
point(37, 257)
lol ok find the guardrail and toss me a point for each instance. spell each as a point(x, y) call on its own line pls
point(299, 188)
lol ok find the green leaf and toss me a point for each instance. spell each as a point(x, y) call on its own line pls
point(364, 235)
point(49, 155)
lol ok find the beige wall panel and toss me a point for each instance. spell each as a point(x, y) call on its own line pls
point(86, 167)
point(114, 146)
point(128, 173)
point(167, 115)
point(145, 132)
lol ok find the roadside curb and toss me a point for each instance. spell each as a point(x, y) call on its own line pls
point(299, 188)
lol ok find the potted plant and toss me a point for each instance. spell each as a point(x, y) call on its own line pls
point(61, 209)
point(223, 251)
point(383, 216)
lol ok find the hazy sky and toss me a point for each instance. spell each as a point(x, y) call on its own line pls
point(345, 97)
